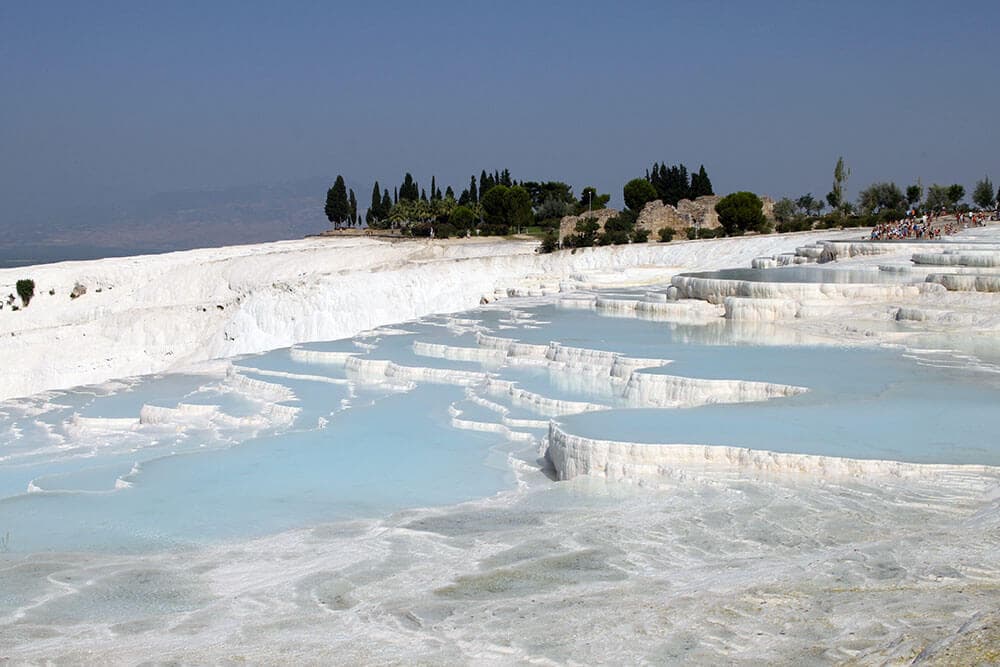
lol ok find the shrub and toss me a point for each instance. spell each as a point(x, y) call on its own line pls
point(666, 234)
point(708, 233)
point(640, 235)
point(794, 225)
point(550, 243)
point(25, 290)
point(691, 232)
point(444, 230)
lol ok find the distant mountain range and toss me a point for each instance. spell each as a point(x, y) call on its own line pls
point(172, 221)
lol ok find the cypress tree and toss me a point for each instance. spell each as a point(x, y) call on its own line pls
point(434, 188)
point(409, 189)
point(354, 207)
point(395, 196)
point(337, 207)
point(423, 195)
point(473, 193)
point(449, 193)
point(483, 184)
point(374, 213)
point(704, 183)
point(386, 205)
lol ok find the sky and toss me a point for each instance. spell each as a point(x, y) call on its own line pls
point(104, 102)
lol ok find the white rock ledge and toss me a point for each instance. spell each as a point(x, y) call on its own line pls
point(573, 455)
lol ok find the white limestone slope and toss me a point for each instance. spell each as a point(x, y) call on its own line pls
point(158, 313)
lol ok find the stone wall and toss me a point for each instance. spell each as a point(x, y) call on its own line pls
point(656, 215)
point(700, 212)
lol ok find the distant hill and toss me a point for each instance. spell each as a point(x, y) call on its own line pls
point(171, 221)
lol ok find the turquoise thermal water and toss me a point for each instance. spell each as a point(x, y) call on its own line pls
point(356, 449)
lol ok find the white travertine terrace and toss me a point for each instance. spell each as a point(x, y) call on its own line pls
point(573, 455)
point(166, 312)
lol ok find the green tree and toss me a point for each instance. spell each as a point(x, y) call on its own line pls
point(409, 189)
point(494, 203)
point(741, 212)
point(505, 207)
point(937, 197)
point(877, 197)
point(955, 194)
point(982, 194)
point(462, 217)
point(914, 193)
point(672, 183)
point(518, 204)
point(373, 213)
point(809, 204)
point(338, 208)
point(835, 198)
point(549, 190)
point(785, 210)
point(551, 211)
point(638, 192)
point(700, 184)
point(353, 204)
point(591, 201)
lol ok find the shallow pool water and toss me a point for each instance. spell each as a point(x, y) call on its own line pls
point(276, 443)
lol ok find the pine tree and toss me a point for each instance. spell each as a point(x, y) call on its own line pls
point(337, 207)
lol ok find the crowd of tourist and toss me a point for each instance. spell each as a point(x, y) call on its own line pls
point(926, 226)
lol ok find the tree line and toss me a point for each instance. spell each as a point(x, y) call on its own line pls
point(880, 201)
point(495, 203)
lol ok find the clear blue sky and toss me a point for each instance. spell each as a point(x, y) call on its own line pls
point(107, 101)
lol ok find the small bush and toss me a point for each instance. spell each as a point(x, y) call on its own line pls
point(708, 233)
point(26, 290)
point(640, 235)
point(550, 242)
point(794, 225)
point(691, 232)
point(666, 234)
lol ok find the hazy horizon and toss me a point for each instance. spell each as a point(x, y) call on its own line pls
point(110, 104)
